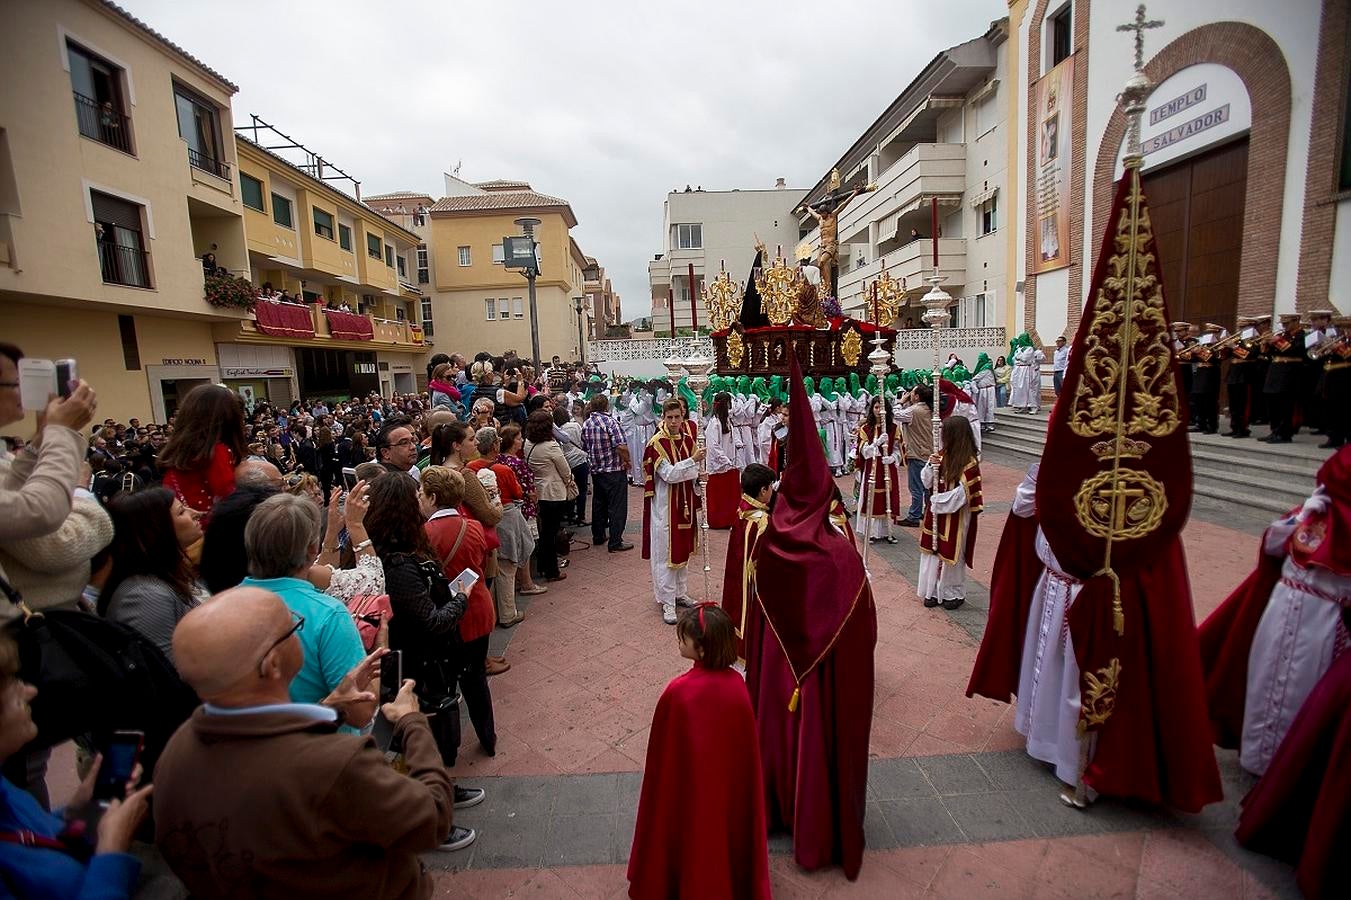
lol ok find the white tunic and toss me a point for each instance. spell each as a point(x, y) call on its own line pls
point(1298, 637)
point(983, 382)
point(724, 447)
point(644, 427)
point(1048, 685)
point(745, 414)
point(936, 577)
point(853, 410)
point(829, 418)
point(667, 583)
point(1026, 380)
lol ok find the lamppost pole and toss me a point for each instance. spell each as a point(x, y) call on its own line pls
point(578, 304)
point(528, 226)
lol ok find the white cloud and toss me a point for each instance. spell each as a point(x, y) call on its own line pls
point(608, 104)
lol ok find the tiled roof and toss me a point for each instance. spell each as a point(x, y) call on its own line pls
point(126, 16)
point(399, 195)
point(501, 201)
point(502, 184)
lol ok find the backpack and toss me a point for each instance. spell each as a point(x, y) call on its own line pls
point(96, 676)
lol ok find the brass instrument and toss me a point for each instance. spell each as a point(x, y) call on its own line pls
point(1326, 346)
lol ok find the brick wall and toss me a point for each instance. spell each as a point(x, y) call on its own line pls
point(1258, 61)
point(1320, 185)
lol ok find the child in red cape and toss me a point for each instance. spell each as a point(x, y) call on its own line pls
point(701, 816)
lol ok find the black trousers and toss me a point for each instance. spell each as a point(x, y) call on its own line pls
point(1281, 413)
point(578, 511)
point(610, 507)
point(551, 515)
point(1240, 395)
point(473, 682)
point(1205, 411)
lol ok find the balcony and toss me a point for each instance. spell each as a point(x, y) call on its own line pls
point(914, 263)
point(124, 265)
point(928, 170)
point(389, 333)
point(395, 331)
point(103, 123)
point(208, 164)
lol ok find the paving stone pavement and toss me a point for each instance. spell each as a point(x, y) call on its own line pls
point(955, 807)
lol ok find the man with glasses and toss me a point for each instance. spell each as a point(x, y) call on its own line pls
point(364, 824)
point(396, 448)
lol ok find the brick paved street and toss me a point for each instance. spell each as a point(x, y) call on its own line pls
point(956, 809)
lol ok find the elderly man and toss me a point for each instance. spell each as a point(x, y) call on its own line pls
point(281, 541)
point(396, 448)
point(291, 808)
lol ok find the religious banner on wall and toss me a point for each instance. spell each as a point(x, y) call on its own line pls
point(1051, 180)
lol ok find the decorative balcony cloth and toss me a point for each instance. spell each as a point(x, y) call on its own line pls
point(349, 326)
point(284, 319)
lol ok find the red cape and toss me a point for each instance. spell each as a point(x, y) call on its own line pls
point(1225, 639)
point(682, 500)
point(1301, 809)
point(1016, 571)
point(738, 580)
point(701, 816)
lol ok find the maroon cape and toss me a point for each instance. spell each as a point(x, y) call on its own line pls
point(739, 572)
point(1016, 571)
point(1226, 639)
point(810, 637)
point(1301, 809)
point(701, 816)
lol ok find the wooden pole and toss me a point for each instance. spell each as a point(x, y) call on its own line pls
point(670, 300)
point(694, 301)
point(933, 225)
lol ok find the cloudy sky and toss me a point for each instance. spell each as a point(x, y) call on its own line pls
point(606, 103)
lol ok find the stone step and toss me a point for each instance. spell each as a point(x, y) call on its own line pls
point(1255, 490)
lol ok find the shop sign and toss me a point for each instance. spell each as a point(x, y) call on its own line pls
point(166, 361)
point(245, 372)
point(363, 368)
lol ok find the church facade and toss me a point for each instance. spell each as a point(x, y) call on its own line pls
point(1247, 167)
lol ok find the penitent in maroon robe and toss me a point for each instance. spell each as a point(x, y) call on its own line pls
point(700, 832)
point(810, 636)
point(738, 580)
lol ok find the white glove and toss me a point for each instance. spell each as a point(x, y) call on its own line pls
point(889, 460)
point(869, 451)
point(1316, 505)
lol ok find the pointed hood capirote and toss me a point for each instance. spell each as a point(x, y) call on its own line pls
point(809, 576)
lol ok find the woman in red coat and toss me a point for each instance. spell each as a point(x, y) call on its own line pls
point(459, 543)
point(206, 445)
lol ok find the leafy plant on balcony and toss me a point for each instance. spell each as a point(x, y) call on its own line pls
point(230, 291)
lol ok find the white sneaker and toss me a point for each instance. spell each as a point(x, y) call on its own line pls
point(668, 613)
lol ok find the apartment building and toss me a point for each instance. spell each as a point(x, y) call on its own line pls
point(117, 173)
point(314, 241)
point(704, 232)
point(943, 138)
point(479, 304)
point(602, 301)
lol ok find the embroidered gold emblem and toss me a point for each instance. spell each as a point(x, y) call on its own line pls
point(851, 347)
point(736, 350)
point(1099, 695)
point(1121, 504)
point(1309, 536)
point(1123, 448)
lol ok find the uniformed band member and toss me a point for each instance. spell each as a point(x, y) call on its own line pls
point(1244, 355)
point(1334, 353)
point(1282, 388)
point(1258, 413)
point(1182, 341)
point(1205, 387)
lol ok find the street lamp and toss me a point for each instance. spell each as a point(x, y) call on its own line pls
point(518, 253)
point(581, 344)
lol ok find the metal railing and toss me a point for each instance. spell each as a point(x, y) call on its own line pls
point(206, 163)
point(105, 124)
point(124, 265)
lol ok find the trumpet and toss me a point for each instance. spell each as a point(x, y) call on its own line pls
point(1325, 346)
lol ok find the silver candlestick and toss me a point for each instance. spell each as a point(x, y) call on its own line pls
point(698, 368)
point(936, 303)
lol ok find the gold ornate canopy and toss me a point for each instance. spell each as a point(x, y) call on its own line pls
point(722, 299)
point(779, 285)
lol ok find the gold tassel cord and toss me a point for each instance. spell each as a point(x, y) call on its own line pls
point(793, 700)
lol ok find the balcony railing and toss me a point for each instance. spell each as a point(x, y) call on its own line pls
point(913, 262)
point(103, 123)
point(208, 164)
point(124, 265)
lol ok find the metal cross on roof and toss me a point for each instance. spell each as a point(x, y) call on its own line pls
point(1139, 26)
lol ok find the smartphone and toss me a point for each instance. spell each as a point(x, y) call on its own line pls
point(37, 383)
point(464, 582)
point(67, 372)
point(349, 477)
point(120, 755)
point(391, 675)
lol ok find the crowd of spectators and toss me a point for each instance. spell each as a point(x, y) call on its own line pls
point(273, 555)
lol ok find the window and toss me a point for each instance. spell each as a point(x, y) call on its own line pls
point(344, 237)
point(131, 352)
point(427, 316)
point(986, 110)
point(199, 125)
point(422, 276)
point(400, 315)
point(323, 223)
point(503, 308)
point(989, 215)
point(490, 309)
point(498, 255)
point(389, 256)
point(517, 308)
point(1344, 179)
point(281, 211)
point(402, 266)
point(1062, 34)
point(464, 256)
point(251, 192)
point(121, 249)
point(689, 237)
point(99, 111)
point(373, 246)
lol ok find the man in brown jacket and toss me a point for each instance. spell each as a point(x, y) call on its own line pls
point(256, 796)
